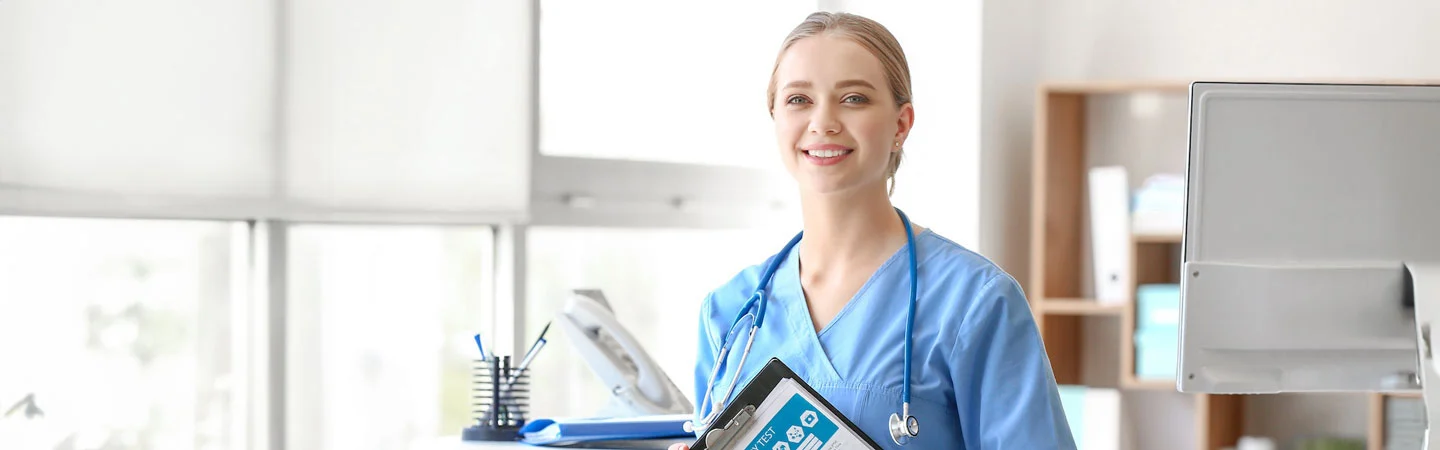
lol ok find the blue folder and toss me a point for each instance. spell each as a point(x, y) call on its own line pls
point(572, 431)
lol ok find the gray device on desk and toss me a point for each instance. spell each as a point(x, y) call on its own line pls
point(1311, 239)
point(637, 385)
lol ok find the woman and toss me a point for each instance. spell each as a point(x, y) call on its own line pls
point(838, 304)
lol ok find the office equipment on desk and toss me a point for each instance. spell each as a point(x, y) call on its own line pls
point(451, 443)
point(1110, 237)
point(776, 409)
point(637, 385)
point(1310, 247)
point(480, 346)
point(502, 406)
point(569, 431)
point(530, 354)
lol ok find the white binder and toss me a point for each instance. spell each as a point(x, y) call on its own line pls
point(1110, 243)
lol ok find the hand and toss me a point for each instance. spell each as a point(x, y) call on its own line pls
point(679, 447)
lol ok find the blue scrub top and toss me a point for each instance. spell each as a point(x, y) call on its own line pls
point(981, 378)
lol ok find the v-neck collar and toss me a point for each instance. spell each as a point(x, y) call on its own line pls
point(799, 309)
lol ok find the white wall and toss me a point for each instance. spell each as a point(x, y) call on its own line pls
point(1236, 38)
point(1032, 41)
point(1009, 68)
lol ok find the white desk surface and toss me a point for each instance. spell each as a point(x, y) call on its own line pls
point(454, 443)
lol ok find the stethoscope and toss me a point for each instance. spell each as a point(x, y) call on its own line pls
point(903, 426)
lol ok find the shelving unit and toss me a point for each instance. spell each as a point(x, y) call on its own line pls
point(1055, 284)
point(1057, 240)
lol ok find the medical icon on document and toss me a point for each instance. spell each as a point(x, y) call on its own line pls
point(795, 434)
point(809, 419)
point(805, 428)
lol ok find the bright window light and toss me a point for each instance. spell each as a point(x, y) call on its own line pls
point(661, 80)
point(122, 334)
point(381, 320)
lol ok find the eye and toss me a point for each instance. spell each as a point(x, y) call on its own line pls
point(855, 98)
point(795, 100)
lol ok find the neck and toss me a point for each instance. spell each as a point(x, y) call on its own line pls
point(851, 227)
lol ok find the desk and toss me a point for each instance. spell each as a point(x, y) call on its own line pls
point(454, 443)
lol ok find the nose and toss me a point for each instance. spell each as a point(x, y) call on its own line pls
point(823, 120)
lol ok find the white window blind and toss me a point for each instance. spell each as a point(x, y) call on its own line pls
point(419, 105)
point(145, 97)
point(299, 110)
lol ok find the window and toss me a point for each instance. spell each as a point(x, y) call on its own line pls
point(127, 333)
point(381, 320)
point(616, 83)
point(655, 279)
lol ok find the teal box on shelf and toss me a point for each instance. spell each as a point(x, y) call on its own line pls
point(1157, 306)
point(1157, 331)
point(1156, 353)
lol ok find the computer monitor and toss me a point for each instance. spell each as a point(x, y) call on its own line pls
point(1312, 212)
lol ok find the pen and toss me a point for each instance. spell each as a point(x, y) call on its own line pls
point(503, 400)
point(529, 356)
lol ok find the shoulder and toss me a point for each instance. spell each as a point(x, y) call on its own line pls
point(949, 262)
point(971, 288)
point(724, 302)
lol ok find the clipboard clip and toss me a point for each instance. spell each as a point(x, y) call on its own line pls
point(720, 438)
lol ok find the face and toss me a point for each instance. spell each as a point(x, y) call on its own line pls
point(835, 120)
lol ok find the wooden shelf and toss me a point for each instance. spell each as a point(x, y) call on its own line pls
point(1057, 252)
point(1147, 384)
point(1080, 307)
point(1163, 238)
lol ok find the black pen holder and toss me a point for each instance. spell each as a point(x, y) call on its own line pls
point(501, 401)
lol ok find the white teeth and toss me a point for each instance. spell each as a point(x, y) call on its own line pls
point(825, 153)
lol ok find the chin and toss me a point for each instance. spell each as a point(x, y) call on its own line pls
point(829, 186)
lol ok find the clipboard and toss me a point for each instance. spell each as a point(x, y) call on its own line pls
point(776, 410)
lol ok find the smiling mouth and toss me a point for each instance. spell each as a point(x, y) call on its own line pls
point(827, 153)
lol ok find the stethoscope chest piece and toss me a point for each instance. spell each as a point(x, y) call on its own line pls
point(902, 430)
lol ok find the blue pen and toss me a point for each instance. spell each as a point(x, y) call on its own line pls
point(480, 346)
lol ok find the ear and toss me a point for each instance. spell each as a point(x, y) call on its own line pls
point(904, 123)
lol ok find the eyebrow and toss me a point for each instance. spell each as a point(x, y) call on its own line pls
point(842, 84)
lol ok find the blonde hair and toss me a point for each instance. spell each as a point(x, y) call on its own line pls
point(871, 35)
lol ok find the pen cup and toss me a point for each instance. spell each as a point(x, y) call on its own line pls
point(500, 398)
